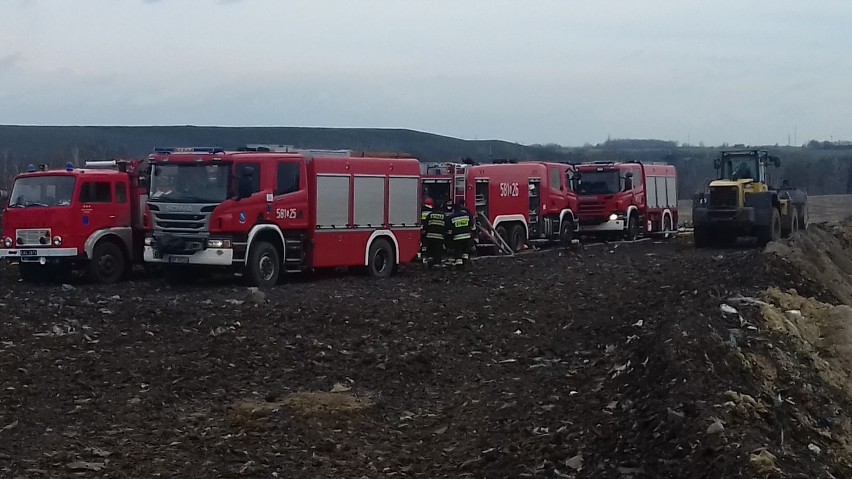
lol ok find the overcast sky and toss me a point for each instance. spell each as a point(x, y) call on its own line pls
point(566, 72)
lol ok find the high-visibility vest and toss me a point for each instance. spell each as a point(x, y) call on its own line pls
point(460, 226)
point(435, 225)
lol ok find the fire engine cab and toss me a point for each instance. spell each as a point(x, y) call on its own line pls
point(627, 199)
point(91, 218)
point(261, 211)
point(521, 201)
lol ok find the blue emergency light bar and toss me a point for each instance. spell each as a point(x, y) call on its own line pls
point(196, 149)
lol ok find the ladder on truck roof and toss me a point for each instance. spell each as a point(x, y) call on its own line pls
point(459, 183)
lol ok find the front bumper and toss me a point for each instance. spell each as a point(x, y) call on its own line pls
point(734, 218)
point(210, 256)
point(34, 255)
point(609, 225)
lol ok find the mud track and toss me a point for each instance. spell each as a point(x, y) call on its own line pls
point(605, 362)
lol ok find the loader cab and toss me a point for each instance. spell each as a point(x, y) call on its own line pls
point(745, 165)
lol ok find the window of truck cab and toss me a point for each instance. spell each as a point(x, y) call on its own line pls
point(289, 178)
point(189, 182)
point(95, 192)
point(42, 191)
point(249, 173)
point(555, 179)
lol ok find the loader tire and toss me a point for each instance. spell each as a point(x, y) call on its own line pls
point(772, 231)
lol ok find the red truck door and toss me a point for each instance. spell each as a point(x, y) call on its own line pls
point(557, 188)
point(290, 198)
point(96, 205)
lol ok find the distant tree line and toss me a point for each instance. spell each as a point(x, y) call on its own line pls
point(818, 167)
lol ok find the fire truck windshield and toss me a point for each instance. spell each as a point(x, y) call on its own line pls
point(189, 183)
point(600, 182)
point(42, 191)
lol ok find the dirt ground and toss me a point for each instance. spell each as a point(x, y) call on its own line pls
point(609, 361)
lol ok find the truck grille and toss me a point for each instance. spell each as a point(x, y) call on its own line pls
point(185, 222)
point(724, 197)
point(32, 237)
point(591, 209)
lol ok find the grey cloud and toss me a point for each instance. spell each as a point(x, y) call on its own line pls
point(8, 62)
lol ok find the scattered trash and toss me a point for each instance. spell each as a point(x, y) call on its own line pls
point(340, 388)
point(575, 462)
point(814, 448)
point(716, 427)
point(86, 466)
point(67, 287)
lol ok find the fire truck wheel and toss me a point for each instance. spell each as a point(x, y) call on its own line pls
point(517, 238)
point(632, 231)
point(264, 265)
point(566, 233)
point(667, 226)
point(107, 264)
point(380, 263)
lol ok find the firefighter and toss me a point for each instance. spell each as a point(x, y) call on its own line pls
point(435, 229)
point(424, 215)
point(461, 223)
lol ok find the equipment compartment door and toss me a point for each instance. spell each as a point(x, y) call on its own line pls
point(482, 197)
point(535, 207)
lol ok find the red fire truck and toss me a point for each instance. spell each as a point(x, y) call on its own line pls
point(261, 212)
point(522, 201)
point(627, 199)
point(91, 218)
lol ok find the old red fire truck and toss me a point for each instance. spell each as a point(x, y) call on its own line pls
point(627, 199)
point(91, 218)
point(522, 201)
point(261, 212)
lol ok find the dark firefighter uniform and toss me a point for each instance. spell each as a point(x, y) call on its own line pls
point(460, 229)
point(435, 228)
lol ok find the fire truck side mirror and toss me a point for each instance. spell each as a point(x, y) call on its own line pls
point(717, 163)
point(628, 181)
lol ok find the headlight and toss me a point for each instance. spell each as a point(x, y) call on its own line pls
point(8, 242)
point(218, 243)
point(613, 217)
point(149, 241)
point(57, 241)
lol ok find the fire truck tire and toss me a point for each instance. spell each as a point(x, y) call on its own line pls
point(517, 237)
point(264, 265)
point(566, 233)
point(667, 226)
point(108, 264)
point(380, 260)
point(632, 231)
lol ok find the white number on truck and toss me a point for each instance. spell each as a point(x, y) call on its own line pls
point(508, 189)
point(285, 213)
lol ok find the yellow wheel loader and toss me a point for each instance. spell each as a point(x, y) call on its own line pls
point(743, 203)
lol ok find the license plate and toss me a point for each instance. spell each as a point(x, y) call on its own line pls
point(29, 252)
point(178, 259)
